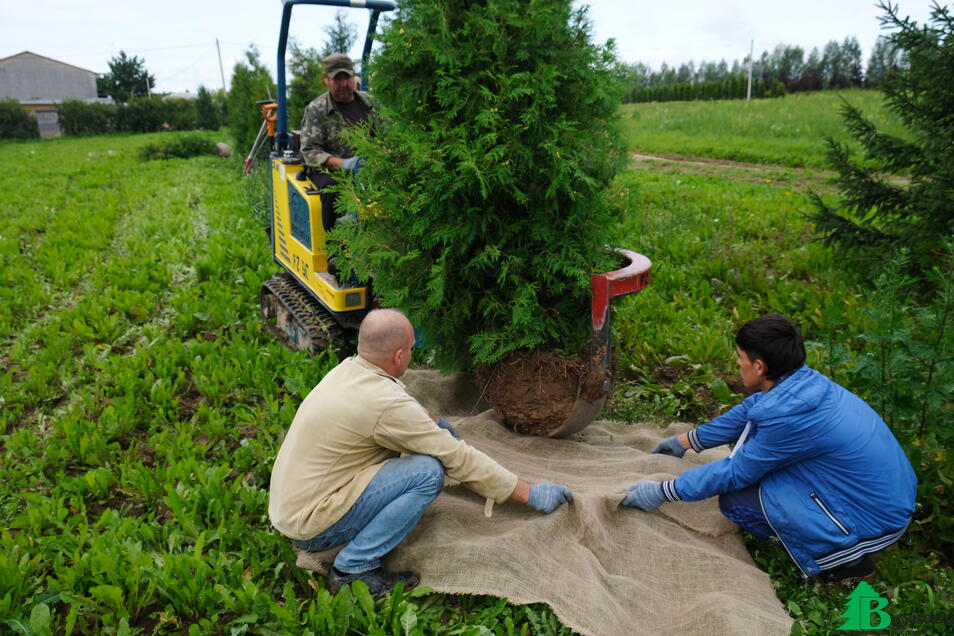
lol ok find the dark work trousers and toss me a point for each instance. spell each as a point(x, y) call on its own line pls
point(744, 508)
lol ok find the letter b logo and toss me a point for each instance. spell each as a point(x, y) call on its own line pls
point(862, 607)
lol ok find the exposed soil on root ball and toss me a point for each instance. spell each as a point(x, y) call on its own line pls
point(536, 391)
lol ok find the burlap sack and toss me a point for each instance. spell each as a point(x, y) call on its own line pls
point(605, 570)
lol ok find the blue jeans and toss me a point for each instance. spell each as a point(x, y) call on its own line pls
point(744, 508)
point(383, 515)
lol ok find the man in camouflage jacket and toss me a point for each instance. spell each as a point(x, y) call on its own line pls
point(322, 147)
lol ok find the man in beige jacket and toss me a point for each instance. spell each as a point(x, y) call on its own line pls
point(339, 478)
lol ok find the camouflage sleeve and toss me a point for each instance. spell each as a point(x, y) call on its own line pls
point(313, 143)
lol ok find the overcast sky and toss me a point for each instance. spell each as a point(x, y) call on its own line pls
point(176, 38)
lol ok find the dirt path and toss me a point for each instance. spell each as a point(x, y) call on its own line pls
point(797, 179)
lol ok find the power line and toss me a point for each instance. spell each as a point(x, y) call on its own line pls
point(132, 52)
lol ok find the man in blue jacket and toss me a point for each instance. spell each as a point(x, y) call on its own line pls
point(813, 464)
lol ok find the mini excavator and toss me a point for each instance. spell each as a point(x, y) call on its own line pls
point(305, 305)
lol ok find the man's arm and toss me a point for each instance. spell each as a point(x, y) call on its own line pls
point(773, 448)
point(724, 429)
point(313, 139)
point(408, 428)
point(521, 493)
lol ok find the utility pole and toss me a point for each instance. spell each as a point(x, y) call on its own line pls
point(221, 72)
point(748, 92)
point(148, 92)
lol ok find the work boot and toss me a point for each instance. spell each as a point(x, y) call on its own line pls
point(861, 569)
point(378, 580)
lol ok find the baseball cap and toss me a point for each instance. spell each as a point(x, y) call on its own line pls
point(338, 63)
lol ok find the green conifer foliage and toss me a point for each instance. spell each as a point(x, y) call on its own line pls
point(914, 212)
point(251, 82)
point(481, 198)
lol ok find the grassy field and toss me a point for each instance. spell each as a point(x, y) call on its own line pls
point(142, 403)
point(786, 132)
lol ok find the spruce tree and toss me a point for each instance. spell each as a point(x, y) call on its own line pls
point(914, 210)
point(481, 198)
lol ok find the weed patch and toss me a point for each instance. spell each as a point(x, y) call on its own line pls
point(181, 146)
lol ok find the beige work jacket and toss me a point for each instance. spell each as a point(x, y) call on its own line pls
point(356, 419)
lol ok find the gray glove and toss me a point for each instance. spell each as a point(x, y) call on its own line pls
point(670, 446)
point(546, 497)
point(647, 495)
point(444, 424)
point(351, 164)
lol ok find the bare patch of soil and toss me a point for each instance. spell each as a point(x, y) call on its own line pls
point(147, 455)
point(188, 402)
point(536, 391)
point(795, 179)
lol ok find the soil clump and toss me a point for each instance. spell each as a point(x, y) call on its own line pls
point(536, 391)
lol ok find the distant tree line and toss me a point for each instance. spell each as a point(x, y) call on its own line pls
point(785, 69)
point(143, 114)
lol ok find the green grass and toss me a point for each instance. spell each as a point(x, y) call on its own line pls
point(142, 402)
point(723, 252)
point(141, 407)
point(788, 131)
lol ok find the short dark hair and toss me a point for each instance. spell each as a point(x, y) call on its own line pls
point(776, 341)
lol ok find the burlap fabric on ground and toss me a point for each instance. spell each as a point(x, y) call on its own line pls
point(605, 570)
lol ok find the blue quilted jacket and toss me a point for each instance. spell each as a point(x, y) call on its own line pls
point(835, 483)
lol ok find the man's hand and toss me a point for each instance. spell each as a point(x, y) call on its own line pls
point(546, 497)
point(646, 495)
point(351, 164)
point(444, 424)
point(670, 446)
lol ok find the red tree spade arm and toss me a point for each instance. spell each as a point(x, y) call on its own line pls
point(631, 278)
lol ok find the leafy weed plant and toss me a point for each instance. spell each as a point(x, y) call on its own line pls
point(141, 407)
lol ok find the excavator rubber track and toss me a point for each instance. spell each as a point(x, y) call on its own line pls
point(297, 319)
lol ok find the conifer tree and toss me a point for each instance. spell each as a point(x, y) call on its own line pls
point(306, 66)
point(341, 35)
point(915, 212)
point(207, 113)
point(251, 82)
point(481, 197)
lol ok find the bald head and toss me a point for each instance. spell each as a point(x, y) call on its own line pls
point(382, 333)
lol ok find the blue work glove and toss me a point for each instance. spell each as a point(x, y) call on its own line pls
point(670, 446)
point(647, 495)
point(444, 424)
point(546, 497)
point(351, 164)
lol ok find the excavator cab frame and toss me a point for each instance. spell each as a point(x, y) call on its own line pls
point(305, 305)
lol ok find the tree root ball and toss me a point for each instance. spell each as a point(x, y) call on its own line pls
point(536, 391)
